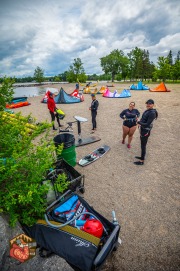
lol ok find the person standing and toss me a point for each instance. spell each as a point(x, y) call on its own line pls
point(52, 109)
point(94, 108)
point(130, 117)
point(146, 124)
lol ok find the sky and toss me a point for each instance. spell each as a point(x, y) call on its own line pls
point(52, 33)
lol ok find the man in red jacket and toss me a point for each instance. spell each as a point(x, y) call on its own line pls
point(52, 109)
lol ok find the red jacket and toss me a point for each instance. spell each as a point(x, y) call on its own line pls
point(51, 103)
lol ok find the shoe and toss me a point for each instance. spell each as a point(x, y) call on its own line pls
point(129, 146)
point(139, 163)
point(61, 125)
point(92, 132)
point(123, 141)
point(138, 157)
point(54, 129)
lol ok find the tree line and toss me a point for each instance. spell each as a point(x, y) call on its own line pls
point(136, 65)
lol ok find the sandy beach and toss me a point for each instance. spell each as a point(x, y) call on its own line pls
point(145, 198)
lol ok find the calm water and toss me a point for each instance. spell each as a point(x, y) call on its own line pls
point(32, 91)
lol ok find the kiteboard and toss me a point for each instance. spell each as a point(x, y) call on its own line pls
point(96, 154)
point(85, 141)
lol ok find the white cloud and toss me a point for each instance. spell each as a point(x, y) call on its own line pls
point(51, 34)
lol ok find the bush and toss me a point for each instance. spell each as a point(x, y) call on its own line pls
point(23, 167)
point(6, 92)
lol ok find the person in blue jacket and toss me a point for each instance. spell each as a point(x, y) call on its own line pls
point(146, 124)
point(130, 117)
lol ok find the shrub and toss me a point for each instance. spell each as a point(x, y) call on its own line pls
point(23, 167)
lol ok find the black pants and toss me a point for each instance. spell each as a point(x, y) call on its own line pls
point(94, 113)
point(53, 116)
point(144, 139)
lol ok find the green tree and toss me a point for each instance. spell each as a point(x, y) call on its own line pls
point(76, 72)
point(176, 68)
point(114, 63)
point(170, 58)
point(140, 66)
point(163, 70)
point(6, 92)
point(39, 75)
point(63, 76)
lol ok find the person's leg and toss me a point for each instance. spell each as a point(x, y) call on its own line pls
point(93, 120)
point(52, 119)
point(95, 124)
point(58, 121)
point(131, 133)
point(144, 140)
point(125, 133)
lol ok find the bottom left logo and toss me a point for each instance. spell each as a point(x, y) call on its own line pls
point(22, 248)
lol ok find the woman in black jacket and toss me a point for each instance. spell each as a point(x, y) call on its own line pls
point(145, 128)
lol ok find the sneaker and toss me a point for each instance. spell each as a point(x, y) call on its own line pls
point(54, 129)
point(123, 141)
point(139, 163)
point(61, 125)
point(129, 146)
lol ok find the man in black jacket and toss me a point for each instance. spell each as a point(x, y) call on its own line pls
point(93, 108)
point(145, 128)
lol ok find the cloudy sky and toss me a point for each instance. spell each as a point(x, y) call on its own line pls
point(52, 33)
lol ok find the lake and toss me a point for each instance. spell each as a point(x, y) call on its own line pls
point(32, 91)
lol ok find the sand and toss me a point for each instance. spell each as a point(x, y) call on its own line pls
point(145, 198)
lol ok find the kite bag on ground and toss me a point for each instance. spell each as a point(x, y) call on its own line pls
point(76, 232)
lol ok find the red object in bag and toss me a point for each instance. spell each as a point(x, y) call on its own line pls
point(94, 227)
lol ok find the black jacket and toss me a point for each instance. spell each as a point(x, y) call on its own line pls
point(147, 118)
point(94, 105)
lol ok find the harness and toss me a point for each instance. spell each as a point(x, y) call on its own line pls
point(147, 129)
point(131, 120)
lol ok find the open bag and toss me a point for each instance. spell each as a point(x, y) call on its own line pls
point(76, 232)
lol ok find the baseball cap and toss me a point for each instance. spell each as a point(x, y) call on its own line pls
point(93, 95)
point(150, 101)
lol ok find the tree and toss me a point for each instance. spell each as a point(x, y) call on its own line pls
point(176, 68)
point(114, 63)
point(76, 72)
point(39, 75)
point(170, 58)
point(163, 68)
point(140, 66)
point(6, 92)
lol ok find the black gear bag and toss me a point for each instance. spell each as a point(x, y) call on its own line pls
point(83, 251)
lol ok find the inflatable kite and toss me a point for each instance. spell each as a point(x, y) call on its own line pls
point(139, 86)
point(87, 90)
point(124, 94)
point(63, 98)
point(17, 102)
point(78, 94)
point(160, 88)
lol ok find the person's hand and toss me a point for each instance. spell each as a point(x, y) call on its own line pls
point(89, 108)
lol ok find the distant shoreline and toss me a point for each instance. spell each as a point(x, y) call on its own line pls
point(37, 84)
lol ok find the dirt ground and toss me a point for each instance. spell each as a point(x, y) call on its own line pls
point(145, 198)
